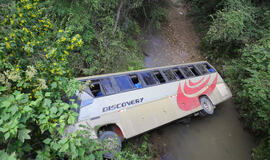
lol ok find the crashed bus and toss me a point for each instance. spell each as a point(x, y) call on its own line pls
point(123, 105)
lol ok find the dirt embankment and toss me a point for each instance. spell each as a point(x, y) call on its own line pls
point(175, 43)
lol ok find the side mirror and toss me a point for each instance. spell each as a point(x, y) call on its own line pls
point(84, 99)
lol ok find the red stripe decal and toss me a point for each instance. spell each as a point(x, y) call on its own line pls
point(188, 103)
point(193, 84)
point(188, 90)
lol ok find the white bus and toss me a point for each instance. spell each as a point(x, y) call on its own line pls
point(123, 105)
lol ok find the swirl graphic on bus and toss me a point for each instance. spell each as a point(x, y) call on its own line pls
point(189, 92)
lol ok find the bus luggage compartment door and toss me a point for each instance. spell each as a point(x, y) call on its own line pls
point(145, 117)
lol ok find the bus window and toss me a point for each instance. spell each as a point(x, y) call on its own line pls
point(148, 78)
point(123, 83)
point(170, 76)
point(194, 70)
point(95, 89)
point(107, 86)
point(178, 73)
point(159, 77)
point(88, 90)
point(187, 71)
point(135, 80)
point(202, 68)
point(210, 69)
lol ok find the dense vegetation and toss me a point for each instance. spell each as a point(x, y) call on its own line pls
point(43, 46)
point(236, 36)
point(109, 29)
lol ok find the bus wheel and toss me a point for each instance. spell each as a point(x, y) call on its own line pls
point(207, 105)
point(111, 143)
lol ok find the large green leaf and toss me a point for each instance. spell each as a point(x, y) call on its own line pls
point(24, 134)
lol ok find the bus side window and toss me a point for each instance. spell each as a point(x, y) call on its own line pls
point(210, 69)
point(88, 91)
point(107, 86)
point(170, 76)
point(194, 70)
point(202, 68)
point(95, 89)
point(148, 78)
point(178, 73)
point(187, 71)
point(135, 80)
point(123, 83)
point(159, 77)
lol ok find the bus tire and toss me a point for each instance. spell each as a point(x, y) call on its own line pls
point(207, 105)
point(111, 143)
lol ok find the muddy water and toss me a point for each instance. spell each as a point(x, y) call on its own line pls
point(217, 137)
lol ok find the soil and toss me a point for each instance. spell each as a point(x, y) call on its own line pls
point(217, 137)
point(175, 43)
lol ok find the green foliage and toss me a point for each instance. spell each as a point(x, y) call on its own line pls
point(158, 15)
point(253, 73)
point(4, 155)
point(200, 11)
point(140, 146)
point(34, 78)
point(261, 152)
point(233, 23)
point(237, 36)
point(105, 49)
point(152, 13)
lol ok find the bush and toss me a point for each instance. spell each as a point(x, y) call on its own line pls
point(252, 73)
point(200, 12)
point(34, 77)
point(140, 146)
point(261, 152)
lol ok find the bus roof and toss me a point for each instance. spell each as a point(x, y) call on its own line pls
point(147, 69)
